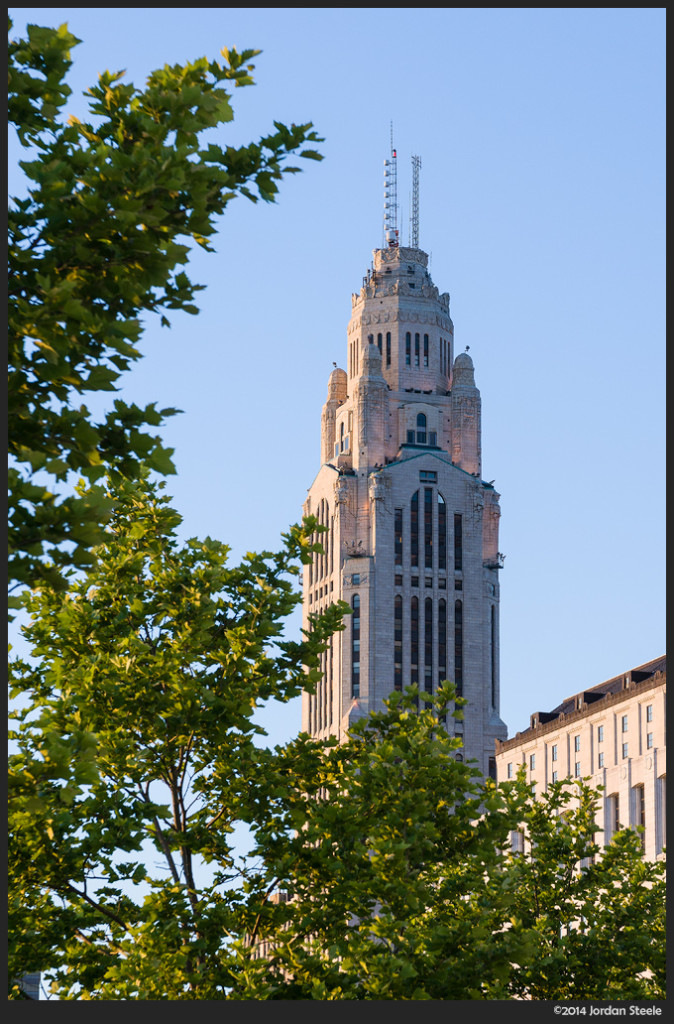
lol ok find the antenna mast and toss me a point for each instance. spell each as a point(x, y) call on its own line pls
point(391, 197)
point(416, 165)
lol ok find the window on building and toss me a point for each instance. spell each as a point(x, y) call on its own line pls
point(355, 646)
point(355, 579)
point(425, 350)
point(577, 769)
point(624, 750)
point(388, 348)
point(600, 760)
point(612, 815)
point(458, 543)
point(428, 647)
point(649, 712)
point(532, 761)
point(554, 751)
point(421, 428)
point(639, 812)
point(414, 529)
point(416, 349)
point(600, 734)
point(554, 776)
point(398, 643)
point(442, 533)
point(398, 535)
point(576, 743)
point(428, 476)
point(623, 723)
point(408, 349)
point(379, 343)
point(510, 769)
point(649, 740)
point(458, 648)
point(428, 527)
point(442, 640)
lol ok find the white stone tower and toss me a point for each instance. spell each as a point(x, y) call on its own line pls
point(412, 539)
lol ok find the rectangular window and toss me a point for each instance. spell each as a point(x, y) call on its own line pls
point(427, 475)
point(532, 761)
point(458, 543)
point(416, 349)
point(510, 770)
point(576, 743)
point(398, 536)
point(624, 750)
point(554, 776)
point(639, 818)
point(554, 751)
point(425, 350)
point(649, 740)
point(600, 734)
point(623, 725)
point(388, 348)
point(408, 349)
point(600, 761)
point(577, 769)
point(649, 713)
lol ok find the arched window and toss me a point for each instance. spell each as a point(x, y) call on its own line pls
point(421, 428)
point(341, 436)
point(442, 532)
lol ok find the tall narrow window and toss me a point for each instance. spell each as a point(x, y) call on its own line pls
point(428, 527)
point(442, 643)
point(388, 348)
point(458, 543)
point(355, 646)
point(341, 436)
point(398, 643)
point(379, 343)
point(398, 535)
point(493, 656)
point(458, 647)
point(408, 349)
point(414, 529)
point(414, 641)
point(416, 349)
point(421, 428)
point(639, 817)
point(428, 647)
point(442, 533)
point(425, 350)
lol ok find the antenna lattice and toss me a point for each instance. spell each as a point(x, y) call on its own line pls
point(391, 197)
point(414, 225)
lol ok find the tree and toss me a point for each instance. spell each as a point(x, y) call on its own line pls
point(138, 743)
point(99, 242)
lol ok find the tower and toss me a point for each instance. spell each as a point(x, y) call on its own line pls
point(412, 528)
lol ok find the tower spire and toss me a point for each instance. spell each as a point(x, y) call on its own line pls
point(414, 227)
point(391, 197)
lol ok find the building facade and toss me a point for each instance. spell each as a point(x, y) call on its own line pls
point(614, 735)
point(412, 528)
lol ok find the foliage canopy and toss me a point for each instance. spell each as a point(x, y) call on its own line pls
point(100, 241)
point(138, 762)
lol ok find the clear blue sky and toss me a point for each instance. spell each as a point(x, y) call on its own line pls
point(542, 138)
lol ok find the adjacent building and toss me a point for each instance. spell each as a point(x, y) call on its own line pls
point(614, 735)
